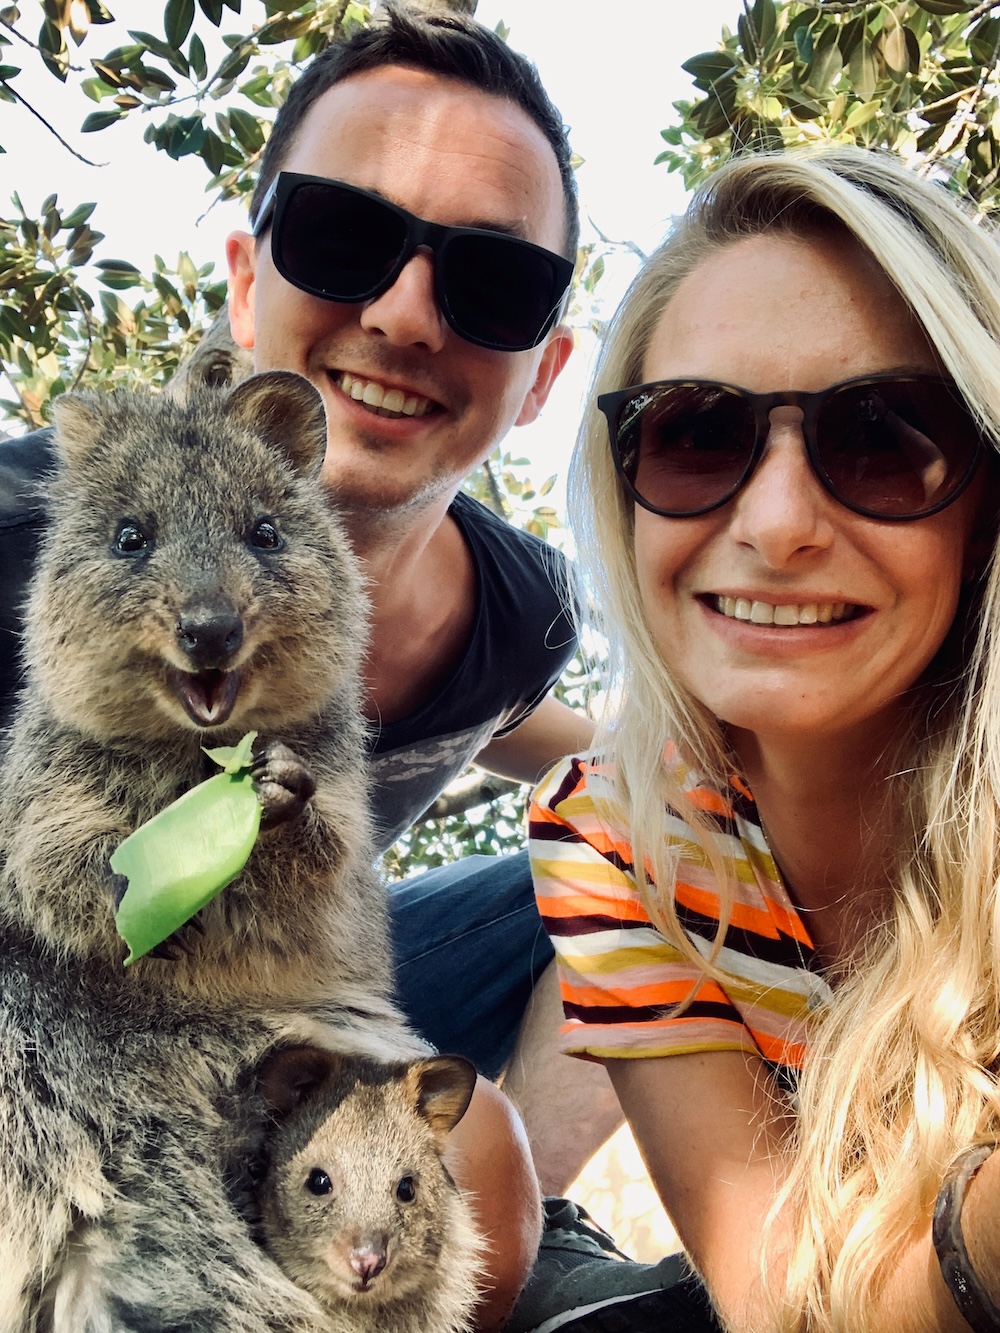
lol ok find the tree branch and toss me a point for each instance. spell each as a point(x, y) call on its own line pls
point(468, 792)
point(77, 69)
point(51, 128)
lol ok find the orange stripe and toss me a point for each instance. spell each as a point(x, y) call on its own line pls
point(563, 908)
point(653, 994)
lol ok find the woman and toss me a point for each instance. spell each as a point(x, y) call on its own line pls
point(794, 814)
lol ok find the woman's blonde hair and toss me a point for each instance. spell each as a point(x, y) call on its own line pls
point(902, 1071)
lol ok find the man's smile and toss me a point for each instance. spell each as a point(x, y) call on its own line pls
point(382, 401)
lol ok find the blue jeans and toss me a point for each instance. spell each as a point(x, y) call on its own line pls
point(468, 945)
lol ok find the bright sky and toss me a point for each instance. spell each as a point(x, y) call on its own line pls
point(613, 70)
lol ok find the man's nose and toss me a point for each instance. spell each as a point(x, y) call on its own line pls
point(407, 313)
point(783, 510)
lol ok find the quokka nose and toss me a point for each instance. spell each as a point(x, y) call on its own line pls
point(210, 633)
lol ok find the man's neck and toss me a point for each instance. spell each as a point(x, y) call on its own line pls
point(422, 587)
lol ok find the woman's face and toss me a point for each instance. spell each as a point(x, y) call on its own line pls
point(775, 313)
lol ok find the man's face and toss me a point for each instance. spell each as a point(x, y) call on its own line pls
point(451, 154)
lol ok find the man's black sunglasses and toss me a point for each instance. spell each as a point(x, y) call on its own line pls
point(345, 244)
point(889, 447)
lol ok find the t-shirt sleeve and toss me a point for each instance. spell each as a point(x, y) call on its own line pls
point(621, 979)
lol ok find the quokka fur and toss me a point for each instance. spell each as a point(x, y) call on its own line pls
point(192, 585)
point(354, 1199)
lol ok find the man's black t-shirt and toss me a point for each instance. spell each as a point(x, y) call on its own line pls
point(522, 638)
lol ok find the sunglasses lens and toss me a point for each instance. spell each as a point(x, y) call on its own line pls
point(497, 291)
point(337, 243)
point(685, 448)
point(896, 449)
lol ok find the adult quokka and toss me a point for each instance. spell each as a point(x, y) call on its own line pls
point(193, 585)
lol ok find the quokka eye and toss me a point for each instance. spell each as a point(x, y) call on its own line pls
point(406, 1190)
point(265, 536)
point(318, 1182)
point(129, 539)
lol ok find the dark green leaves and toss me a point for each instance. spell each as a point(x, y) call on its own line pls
point(177, 19)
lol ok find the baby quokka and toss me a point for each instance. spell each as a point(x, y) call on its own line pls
point(355, 1201)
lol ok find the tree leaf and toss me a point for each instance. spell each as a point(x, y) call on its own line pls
point(212, 9)
point(894, 50)
point(78, 217)
point(764, 21)
point(708, 68)
point(862, 113)
point(177, 19)
point(100, 120)
point(863, 71)
point(196, 57)
point(946, 6)
point(247, 129)
point(827, 63)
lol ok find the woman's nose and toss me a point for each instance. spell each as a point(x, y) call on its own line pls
point(783, 510)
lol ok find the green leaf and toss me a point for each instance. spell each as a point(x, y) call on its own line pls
point(708, 68)
point(984, 41)
point(863, 71)
point(764, 21)
point(946, 6)
point(982, 152)
point(862, 113)
point(151, 77)
point(186, 136)
point(894, 49)
point(116, 266)
point(212, 9)
point(827, 63)
point(100, 120)
point(196, 57)
point(162, 49)
point(247, 129)
point(78, 217)
point(234, 64)
point(213, 152)
point(177, 19)
point(804, 44)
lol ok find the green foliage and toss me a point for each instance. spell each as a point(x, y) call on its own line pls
point(54, 330)
point(918, 76)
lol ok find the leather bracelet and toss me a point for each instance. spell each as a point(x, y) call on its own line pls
point(975, 1304)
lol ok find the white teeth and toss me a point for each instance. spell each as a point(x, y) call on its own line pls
point(385, 402)
point(766, 613)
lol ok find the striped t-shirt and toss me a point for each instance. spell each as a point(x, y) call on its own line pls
point(621, 979)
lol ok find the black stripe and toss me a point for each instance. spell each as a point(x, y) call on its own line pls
point(648, 1013)
point(590, 924)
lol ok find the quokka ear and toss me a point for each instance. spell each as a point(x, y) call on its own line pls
point(442, 1087)
point(287, 413)
point(79, 422)
point(292, 1075)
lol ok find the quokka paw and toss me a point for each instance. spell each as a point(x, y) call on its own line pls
point(283, 782)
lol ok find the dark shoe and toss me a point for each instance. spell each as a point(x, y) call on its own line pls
point(582, 1283)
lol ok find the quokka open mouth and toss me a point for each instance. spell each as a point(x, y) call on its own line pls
point(209, 697)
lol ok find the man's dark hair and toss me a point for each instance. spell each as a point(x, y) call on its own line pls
point(448, 44)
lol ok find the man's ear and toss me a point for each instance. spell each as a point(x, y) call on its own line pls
point(241, 256)
point(554, 356)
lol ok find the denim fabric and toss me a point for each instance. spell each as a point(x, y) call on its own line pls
point(468, 946)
